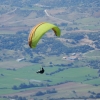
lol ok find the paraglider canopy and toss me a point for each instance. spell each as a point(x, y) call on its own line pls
point(39, 30)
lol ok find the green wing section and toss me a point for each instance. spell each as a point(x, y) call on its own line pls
point(38, 31)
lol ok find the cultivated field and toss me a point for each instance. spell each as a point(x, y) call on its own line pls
point(83, 75)
point(69, 81)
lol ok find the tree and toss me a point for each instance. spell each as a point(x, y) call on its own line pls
point(23, 85)
point(51, 91)
point(2, 74)
point(39, 93)
point(14, 87)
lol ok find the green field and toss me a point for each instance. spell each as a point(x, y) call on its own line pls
point(90, 23)
point(93, 53)
point(25, 74)
point(89, 20)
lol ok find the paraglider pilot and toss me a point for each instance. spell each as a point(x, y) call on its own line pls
point(41, 71)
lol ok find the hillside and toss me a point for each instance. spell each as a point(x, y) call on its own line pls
point(67, 3)
point(71, 61)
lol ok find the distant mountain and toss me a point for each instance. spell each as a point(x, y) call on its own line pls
point(88, 3)
point(19, 3)
point(67, 3)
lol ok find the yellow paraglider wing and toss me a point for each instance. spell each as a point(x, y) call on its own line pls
point(39, 30)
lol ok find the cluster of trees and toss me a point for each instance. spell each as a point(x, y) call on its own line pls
point(50, 91)
point(70, 28)
point(30, 85)
point(74, 36)
point(96, 38)
point(37, 59)
point(60, 69)
point(66, 65)
point(12, 41)
point(94, 95)
point(55, 46)
point(16, 97)
point(95, 64)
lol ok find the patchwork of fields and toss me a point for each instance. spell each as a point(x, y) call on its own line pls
point(63, 78)
point(52, 76)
